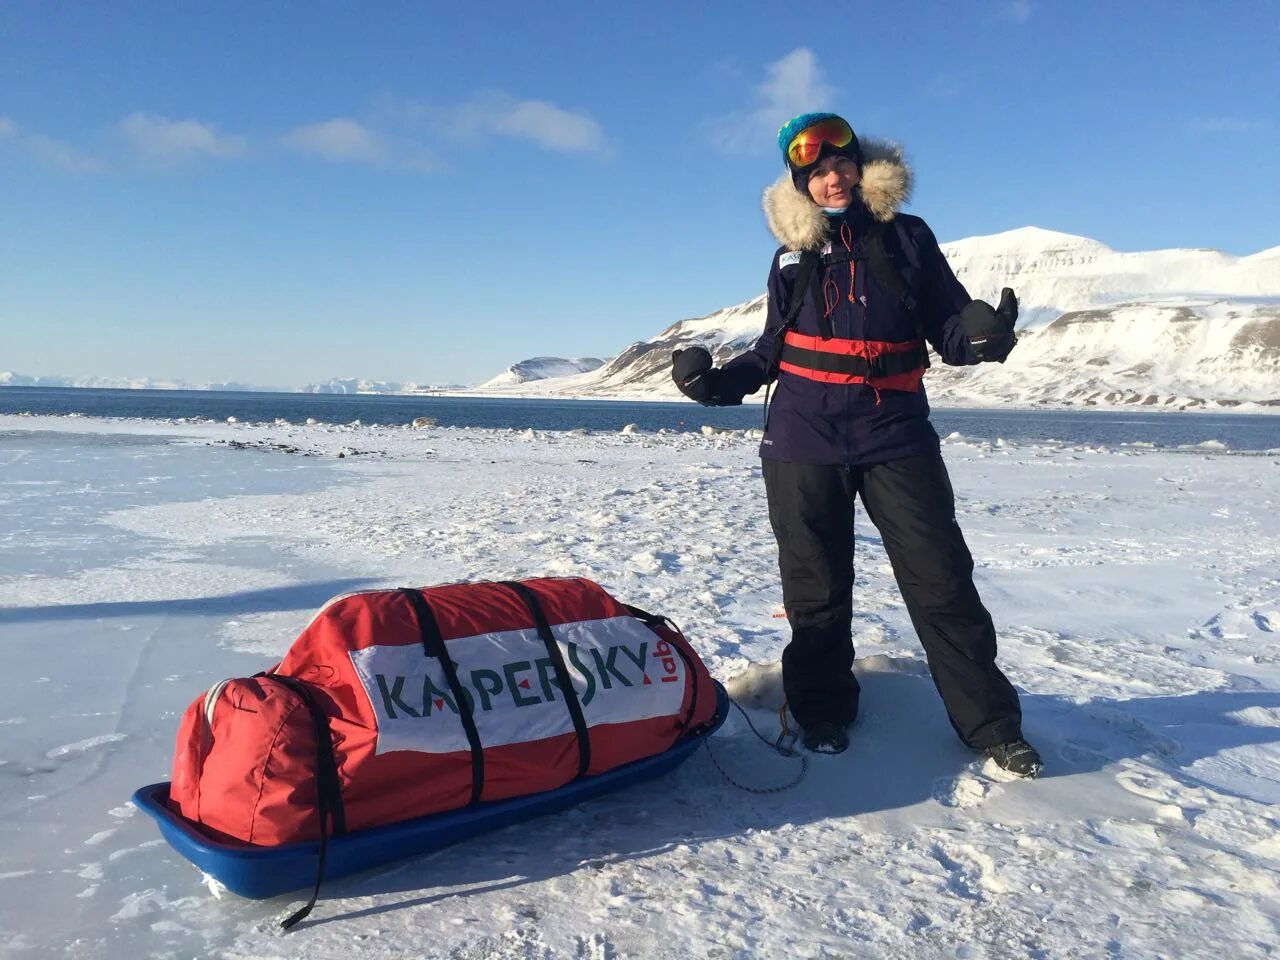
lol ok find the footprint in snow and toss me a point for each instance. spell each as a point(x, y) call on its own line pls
point(1133, 729)
point(1082, 754)
point(1175, 802)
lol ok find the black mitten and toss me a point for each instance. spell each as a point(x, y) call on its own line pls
point(990, 332)
point(693, 373)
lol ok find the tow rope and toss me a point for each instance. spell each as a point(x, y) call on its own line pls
point(784, 746)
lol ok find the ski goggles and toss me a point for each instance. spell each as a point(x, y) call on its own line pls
point(807, 144)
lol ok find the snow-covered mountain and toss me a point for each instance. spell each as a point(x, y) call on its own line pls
point(1165, 327)
point(1055, 273)
point(359, 385)
point(542, 368)
point(11, 379)
point(335, 385)
point(1175, 352)
point(642, 370)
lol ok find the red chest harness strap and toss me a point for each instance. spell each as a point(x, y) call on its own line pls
point(885, 365)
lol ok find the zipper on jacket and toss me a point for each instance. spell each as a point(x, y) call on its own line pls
point(849, 388)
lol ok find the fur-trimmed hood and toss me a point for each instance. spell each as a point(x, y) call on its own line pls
point(798, 222)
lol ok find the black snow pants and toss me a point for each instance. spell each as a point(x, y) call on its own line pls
point(911, 503)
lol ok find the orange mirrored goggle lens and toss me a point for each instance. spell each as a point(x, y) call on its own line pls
point(806, 146)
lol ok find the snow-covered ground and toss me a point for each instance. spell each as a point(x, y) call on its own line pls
point(1137, 595)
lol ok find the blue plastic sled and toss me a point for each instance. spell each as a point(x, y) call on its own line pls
point(261, 872)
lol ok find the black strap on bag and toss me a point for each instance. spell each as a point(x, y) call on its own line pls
point(328, 791)
point(652, 621)
point(562, 671)
point(433, 645)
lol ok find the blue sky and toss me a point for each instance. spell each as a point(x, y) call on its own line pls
point(286, 192)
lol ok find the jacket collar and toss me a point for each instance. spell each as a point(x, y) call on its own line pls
point(799, 224)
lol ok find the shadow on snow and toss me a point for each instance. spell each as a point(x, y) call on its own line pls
point(297, 596)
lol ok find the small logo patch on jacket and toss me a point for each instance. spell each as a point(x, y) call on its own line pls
point(787, 259)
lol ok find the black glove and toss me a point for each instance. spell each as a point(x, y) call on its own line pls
point(990, 332)
point(693, 373)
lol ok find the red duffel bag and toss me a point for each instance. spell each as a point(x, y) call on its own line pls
point(398, 703)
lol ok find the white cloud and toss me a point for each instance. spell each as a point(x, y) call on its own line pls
point(337, 139)
point(162, 141)
point(344, 140)
point(55, 153)
point(48, 151)
point(539, 122)
point(792, 85)
point(550, 127)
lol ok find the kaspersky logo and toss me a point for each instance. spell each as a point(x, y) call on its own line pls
point(621, 670)
point(528, 683)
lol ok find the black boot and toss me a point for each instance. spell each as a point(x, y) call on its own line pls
point(1017, 757)
point(823, 737)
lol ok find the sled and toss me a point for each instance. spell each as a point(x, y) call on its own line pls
point(261, 872)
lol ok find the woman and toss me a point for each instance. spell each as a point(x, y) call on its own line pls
point(855, 290)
